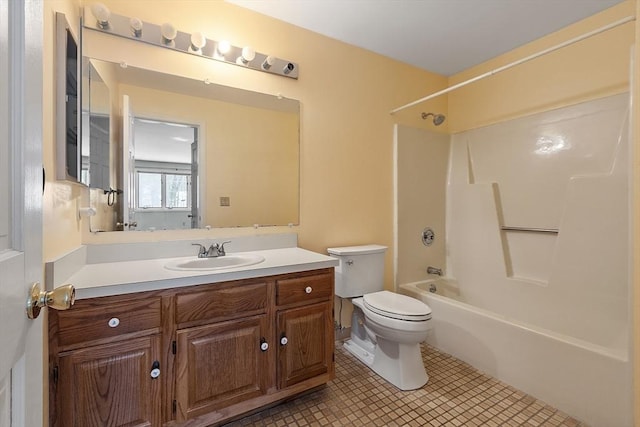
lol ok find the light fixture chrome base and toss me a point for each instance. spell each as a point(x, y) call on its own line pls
point(149, 33)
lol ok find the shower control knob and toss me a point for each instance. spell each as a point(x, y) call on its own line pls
point(308, 289)
point(428, 236)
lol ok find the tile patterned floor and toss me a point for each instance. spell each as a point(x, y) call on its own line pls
point(456, 395)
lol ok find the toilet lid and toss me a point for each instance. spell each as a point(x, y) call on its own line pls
point(396, 306)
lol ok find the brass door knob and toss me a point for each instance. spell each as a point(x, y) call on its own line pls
point(61, 298)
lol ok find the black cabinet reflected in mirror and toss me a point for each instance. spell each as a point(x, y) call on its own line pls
point(71, 108)
point(68, 143)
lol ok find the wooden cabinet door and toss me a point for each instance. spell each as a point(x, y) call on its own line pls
point(307, 350)
point(110, 385)
point(220, 364)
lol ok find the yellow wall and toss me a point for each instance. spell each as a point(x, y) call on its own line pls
point(636, 222)
point(589, 69)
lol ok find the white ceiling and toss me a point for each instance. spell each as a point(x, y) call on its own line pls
point(159, 141)
point(442, 36)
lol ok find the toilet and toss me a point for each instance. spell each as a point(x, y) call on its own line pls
point(386, 328)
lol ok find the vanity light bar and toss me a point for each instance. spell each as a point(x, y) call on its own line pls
point(149, 33)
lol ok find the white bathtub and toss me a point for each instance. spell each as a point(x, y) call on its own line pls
point(586, 381)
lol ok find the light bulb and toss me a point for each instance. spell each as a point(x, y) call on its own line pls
point(268, 62)
point(136, 26)
point(169, 32)
point(198, 41)
point(101, 13)
point(224, 47)
point(248, 55)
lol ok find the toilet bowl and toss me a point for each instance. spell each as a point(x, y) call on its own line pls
point(386, 333)
point(386, 328)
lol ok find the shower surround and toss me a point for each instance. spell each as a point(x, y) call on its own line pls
point(538, 238)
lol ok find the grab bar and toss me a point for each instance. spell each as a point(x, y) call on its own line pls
point(530, 229)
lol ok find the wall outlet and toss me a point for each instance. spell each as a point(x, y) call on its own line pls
point(225, 201)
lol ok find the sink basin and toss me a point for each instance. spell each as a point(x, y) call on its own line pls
point(227, 261)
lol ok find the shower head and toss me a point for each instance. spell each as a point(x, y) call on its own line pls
point(438, 119)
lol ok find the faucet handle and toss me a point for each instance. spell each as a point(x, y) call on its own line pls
point(202, 251)
point(434, 270)
point(221, 248)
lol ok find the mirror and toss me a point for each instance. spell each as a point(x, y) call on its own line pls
point(242, 163)
point(96, 134)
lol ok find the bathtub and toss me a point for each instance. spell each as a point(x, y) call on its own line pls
point(584, 380)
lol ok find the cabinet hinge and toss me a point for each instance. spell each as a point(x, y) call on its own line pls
point(174, 406)
point(54, 375)
point(174, 348)
point(333, 357)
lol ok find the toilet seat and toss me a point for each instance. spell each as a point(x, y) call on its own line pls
point(396, 306)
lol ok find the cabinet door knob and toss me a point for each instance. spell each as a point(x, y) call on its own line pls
point(264, 345)
point(155, 370)
point(308, 289)
point(284, 340)
point(114, 322)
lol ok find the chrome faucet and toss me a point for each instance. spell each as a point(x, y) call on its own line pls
point(218, 249)
point(433, 270)
point(214, 251)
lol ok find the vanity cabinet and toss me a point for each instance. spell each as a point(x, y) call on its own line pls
point(219, 359)
point(198, 356)
point(105, 363)
point(304, 327)
point(111, 384)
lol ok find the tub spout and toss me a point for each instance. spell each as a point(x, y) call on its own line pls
point(433, 270)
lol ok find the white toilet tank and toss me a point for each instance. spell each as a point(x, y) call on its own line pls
point(361, 269)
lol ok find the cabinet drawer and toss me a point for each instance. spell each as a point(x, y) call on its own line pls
point(228, 302)
point(91, 322)
point(304, 289)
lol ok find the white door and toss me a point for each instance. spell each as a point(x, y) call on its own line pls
point(195, 202)
point(128, 166)
point(21, 351)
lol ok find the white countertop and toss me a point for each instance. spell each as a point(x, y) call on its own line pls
point(123, 277)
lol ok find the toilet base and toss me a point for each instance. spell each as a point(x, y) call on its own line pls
point(365, 356)
point(399, 364)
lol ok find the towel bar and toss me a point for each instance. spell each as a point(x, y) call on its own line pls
point(530, 229)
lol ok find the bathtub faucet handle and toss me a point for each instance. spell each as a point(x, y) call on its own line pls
point(434, 270)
